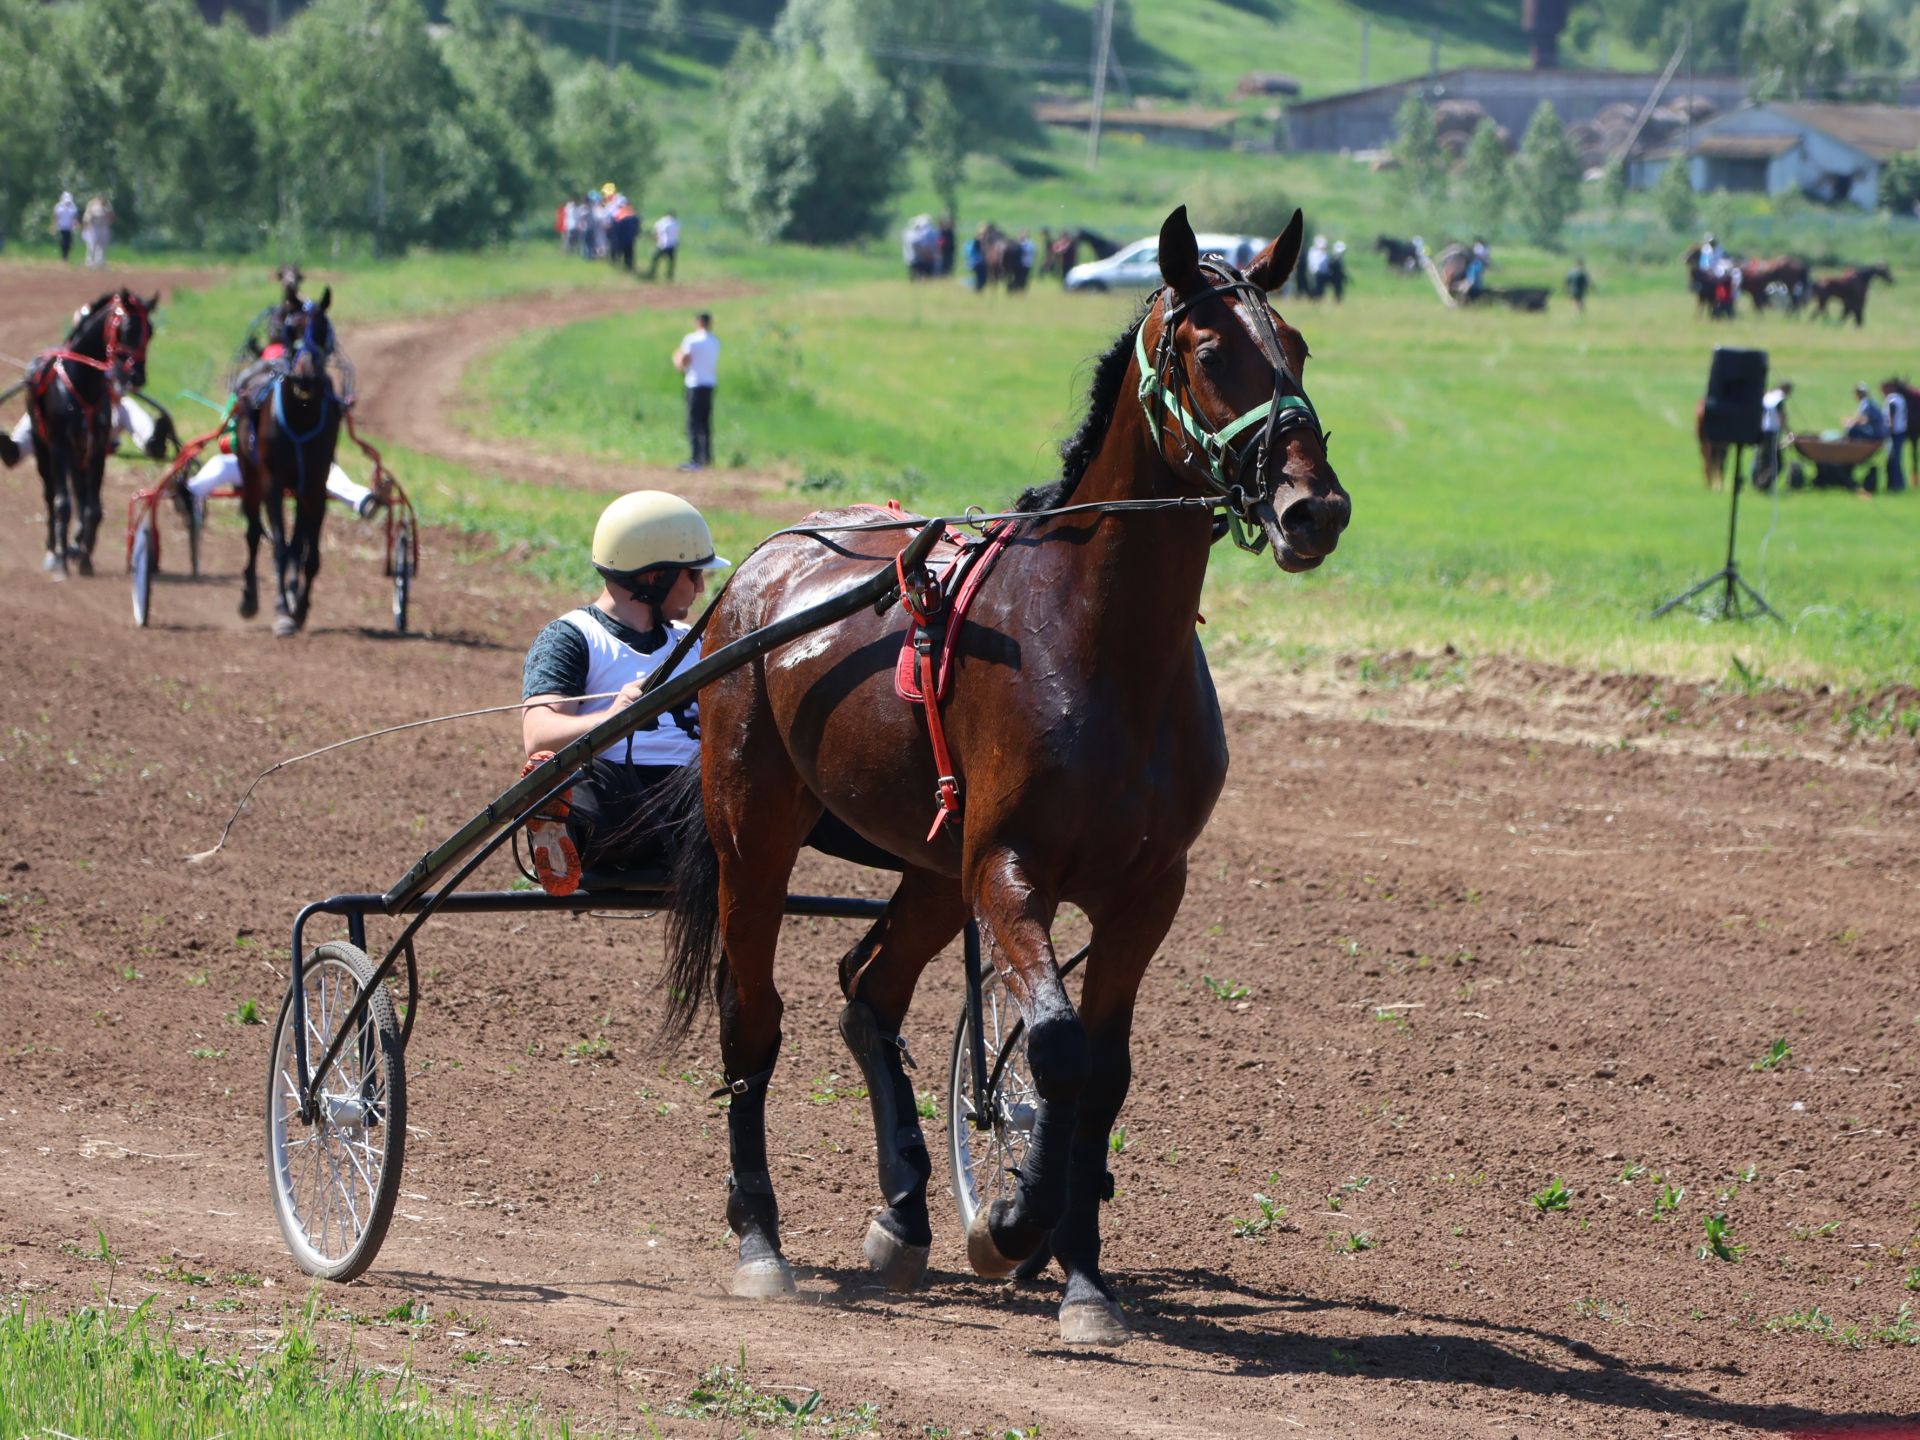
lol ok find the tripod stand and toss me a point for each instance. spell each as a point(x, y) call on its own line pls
point(1734, 601)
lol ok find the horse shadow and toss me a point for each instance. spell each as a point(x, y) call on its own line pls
point(1213, 1317)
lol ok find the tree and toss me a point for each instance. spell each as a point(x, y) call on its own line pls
point(30, 171)
point(1546, 179)
point(1613, 186)
point(1796, 48)
point(602, 131)
point(1717, 26)
point(1416, 149)
point(1673, 196)
point(1484, 174)
point(972, 48)
point(814, 147)
point(1900, 184)
point(944, 143)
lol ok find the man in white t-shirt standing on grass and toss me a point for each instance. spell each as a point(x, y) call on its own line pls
point(698, 358)
point(666, 244)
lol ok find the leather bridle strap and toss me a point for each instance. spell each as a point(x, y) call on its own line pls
point(1225, 450)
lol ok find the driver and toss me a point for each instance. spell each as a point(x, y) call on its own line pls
point(653, 551)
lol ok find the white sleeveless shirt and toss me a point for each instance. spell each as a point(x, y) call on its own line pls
point(674, 738)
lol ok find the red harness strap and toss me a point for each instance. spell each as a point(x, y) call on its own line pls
point(53, 366)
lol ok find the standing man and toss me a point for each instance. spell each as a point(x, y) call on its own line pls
point(698, 358)
point(666, 244)
point(1578, 284)
point(1773, 428)
point(65, 213)
point(96, 226)
point(1896, 394)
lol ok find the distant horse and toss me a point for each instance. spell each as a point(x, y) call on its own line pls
point(1084, 781)
point(71, 395)
point(1402, 255)
point(1850, 289)
point(1064, 253)
point(1713, 455)
point(1782, 279)
point(1005, 257)
point(285, 429)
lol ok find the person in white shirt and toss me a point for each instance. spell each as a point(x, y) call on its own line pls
point(698, 358)
point(1897, 432)
point(666, 244)
point(652, 551)
point(65, 214)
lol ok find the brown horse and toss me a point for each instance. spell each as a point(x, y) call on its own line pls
point(1713, 455)
point(1085, 739)
point(1759, 277)
point(1850, 289)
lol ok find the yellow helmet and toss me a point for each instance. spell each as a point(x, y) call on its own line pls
point(648, 528)
point(609, 189)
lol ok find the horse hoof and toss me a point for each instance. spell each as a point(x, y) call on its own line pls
point(249, 607)
point(767, 1279)
point(1093, 1322)
point(52, 563)
point(284, 627)
point(900, 1266)
point(982, 1254)
point(85, 562)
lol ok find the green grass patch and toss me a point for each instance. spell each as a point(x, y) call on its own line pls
point(134, 1378)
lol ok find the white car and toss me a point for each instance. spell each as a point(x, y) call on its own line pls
point(1137, 266)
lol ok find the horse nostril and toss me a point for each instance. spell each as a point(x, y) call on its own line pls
point(1321, 517)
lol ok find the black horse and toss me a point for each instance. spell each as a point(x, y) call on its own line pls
point(1402, 255)
point(285, 428)
point(71, 395)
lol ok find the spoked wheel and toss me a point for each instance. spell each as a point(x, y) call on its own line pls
point(988, 1132)
point(143, 558)
point(400, 553)
point(334, 1181)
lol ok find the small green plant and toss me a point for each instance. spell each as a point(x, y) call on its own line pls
point(1272, 1215)
point(927, 1105)
point(411, 1311)
point(1813, 1232)
point(1813, 1321)
point(1225, 989)
point(1667, 1202)
point(1354, 1242)
point(1117, 1141)
point(1720, 1245)
point(1555, 1196)
point(1631, 1171)
point(1776, 1053)
point(599, 1047)
point(1748, 679)
point(1913, 1277)
point(206, 1052)
point(247, 1012)
point(1903, 1329)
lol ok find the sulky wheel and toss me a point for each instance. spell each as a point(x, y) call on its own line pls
point(985, 1157)
point(401, 550)
point(143, 558)
point(334, 1181)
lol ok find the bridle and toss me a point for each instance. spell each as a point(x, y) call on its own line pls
point(122, 355)
point(1233, 461)
point(312, 317)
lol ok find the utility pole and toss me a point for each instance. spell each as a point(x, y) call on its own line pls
point(273, 16)
point(613, 33)
point(1101, 50)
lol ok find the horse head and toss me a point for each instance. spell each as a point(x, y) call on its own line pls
point(314, 345)
point(116, 330)
point(1877, 272)
point(1228, 376)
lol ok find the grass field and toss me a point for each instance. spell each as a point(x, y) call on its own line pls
point(1522, 484)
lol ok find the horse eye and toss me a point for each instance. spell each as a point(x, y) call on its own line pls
point(1210, 356)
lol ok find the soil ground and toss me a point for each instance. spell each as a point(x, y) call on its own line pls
point(1444, 942)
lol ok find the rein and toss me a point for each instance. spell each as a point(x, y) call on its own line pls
point(1227, 451)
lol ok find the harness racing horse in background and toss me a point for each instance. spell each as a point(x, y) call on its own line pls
point(285, 430)
point(1850, 289)
point(71, 394)
point(1085, 742)
point(1402, 255)
point(1760, 278)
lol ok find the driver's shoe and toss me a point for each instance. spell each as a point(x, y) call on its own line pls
point(9, 452)
point(556, 861)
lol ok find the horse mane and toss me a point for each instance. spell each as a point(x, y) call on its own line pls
point(92, 313)
point(1103, 400)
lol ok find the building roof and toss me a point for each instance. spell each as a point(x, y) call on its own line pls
point(1444, 79)
point(1745, 147)
point(1879, 130)
point(1120, 117)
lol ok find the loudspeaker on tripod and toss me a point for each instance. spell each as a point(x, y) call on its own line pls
point(1736, 390)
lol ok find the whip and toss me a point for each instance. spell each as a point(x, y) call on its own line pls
point(200, 857)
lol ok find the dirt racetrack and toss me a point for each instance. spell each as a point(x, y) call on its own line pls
point(1490, 933)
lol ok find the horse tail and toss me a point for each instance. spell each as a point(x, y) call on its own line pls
point(693, 918)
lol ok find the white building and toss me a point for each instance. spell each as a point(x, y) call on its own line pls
point(1829, 152)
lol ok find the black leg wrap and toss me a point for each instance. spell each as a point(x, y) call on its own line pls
point(1040, 1194)
point(904, 1165)
point(751, 1211)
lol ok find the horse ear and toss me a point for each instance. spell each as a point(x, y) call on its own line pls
point(326, 298)
point(1179, 253)
point(153, 302)
point(1275, 265)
